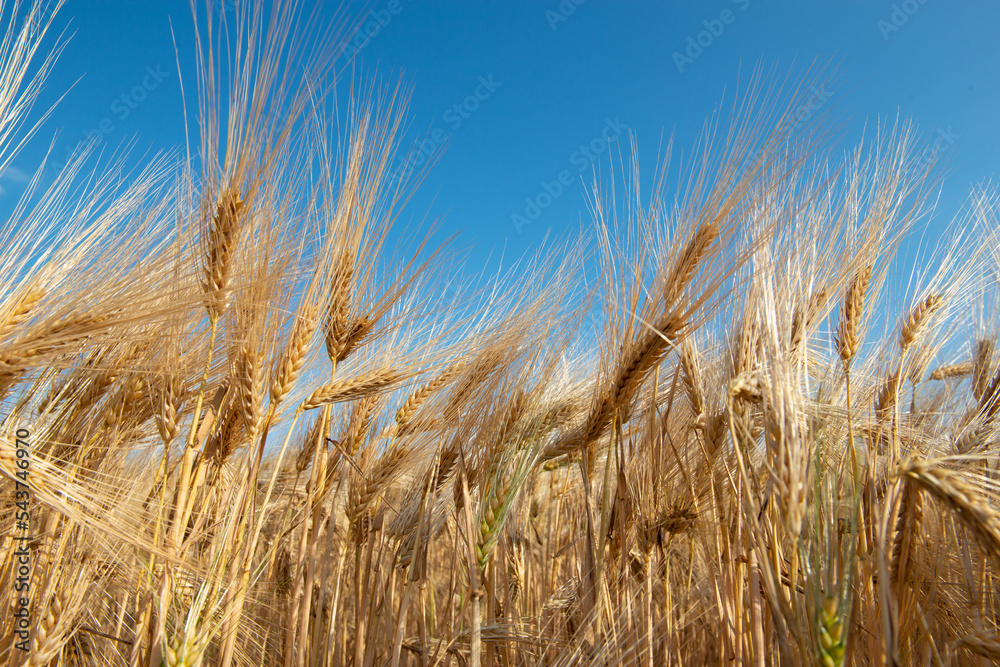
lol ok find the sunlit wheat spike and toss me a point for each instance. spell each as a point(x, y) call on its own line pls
point(852, 314)
point(989, 402)
point(357, 335)
point(916, 321)
point(19, 310)
point(367, 491)
point(691, 376)
point(422, 394)
point(294, 356)
point(949, 371)
point(981, 366)
point(492, 515)
point(346, 390)
point(635, 366)
point(746, 388)
point(907, 534)
point(982, 643)
point(338, 323)
point(171, 403)
point(804, 318)
point(688, 262)
point(307, 447)
point(248, 374)
point(951, 489)
point(363, 415)
point(885, 399)
point(223, 234)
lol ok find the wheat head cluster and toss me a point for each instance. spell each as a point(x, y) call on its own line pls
point(746, 417)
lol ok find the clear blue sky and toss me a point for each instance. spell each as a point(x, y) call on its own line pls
point(552, 77)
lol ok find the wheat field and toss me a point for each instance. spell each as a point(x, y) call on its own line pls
point(732, 423)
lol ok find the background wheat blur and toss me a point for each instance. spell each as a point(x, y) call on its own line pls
point(258, 439)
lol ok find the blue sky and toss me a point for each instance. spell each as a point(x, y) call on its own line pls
point(547, 90)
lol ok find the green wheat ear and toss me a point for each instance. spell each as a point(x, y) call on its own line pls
point(831, 635)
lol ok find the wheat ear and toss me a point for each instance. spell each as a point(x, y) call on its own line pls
point(851, 315)
point(223, 235)
point(980, 367)
point(369, 489)
point(19, 312)
point(804, 318)
point(691, 378)
point(338, 315)
point(832, 645)
point(169, 409)
point(248, 373)
point(967, 502)
point(413, 402)
point(983, 644)
point(356, 387)
point(907, 533)
point(950, 371)
point(917, 320)
point(294, 356)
